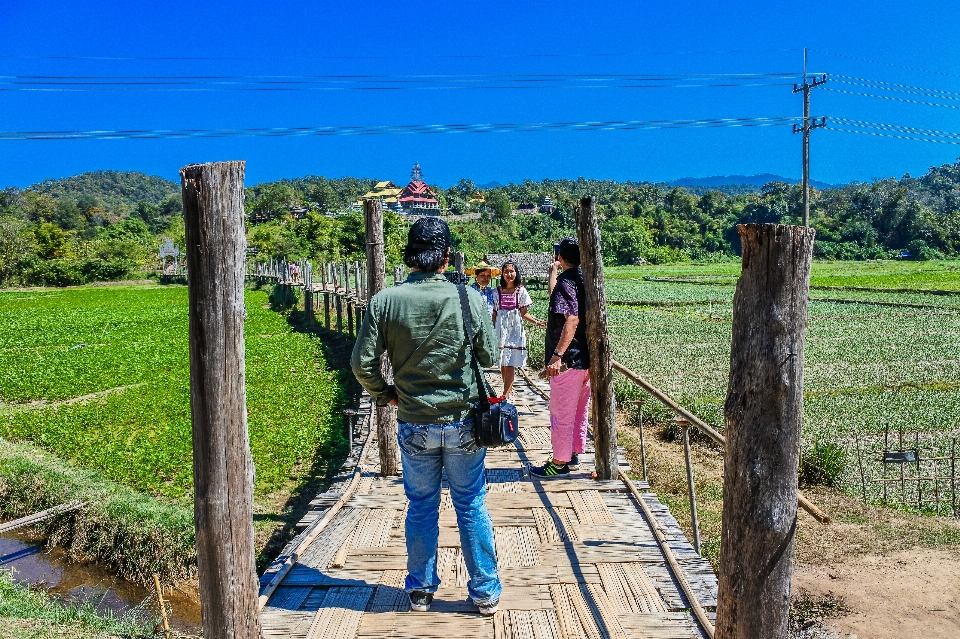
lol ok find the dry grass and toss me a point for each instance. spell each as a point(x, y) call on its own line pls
point(856, 529)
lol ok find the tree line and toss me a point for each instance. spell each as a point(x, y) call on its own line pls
point(106, 225)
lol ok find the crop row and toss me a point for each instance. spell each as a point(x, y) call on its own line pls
point(136, 341)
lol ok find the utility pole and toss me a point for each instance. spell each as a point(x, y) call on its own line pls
point(808, 126)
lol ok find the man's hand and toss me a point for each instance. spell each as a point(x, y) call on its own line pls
point(553, 367)
point(393, 401)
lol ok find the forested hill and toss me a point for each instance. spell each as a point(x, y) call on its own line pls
point(106, 224)
point(117, 192)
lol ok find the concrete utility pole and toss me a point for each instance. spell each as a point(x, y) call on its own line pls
point(762, 415)
point(808, 126)
point(222, 465)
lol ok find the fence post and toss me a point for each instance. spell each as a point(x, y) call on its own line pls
point(458, 262)
point(762, 414)
point(308, 290)
point(386, 416)
point(222, 465)
point(598, 341)
point(643, 453)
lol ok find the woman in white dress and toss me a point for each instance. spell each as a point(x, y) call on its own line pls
point(511, 304)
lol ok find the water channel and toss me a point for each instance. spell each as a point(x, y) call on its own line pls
point(31, 564)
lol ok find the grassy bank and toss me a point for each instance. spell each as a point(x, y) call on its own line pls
point(94, 396)
point(31, 614)
point(133, 533)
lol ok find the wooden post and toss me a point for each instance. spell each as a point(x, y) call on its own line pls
point(222, 466)
point(308, 290)
point(386, 416)
point(458, 262)
point(598, 341)
point(762, 415)
point(337, 302)
point(643, 453)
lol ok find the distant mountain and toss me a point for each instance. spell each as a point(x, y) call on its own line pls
point(489, 185)
point(116, 191)
point(755, 181)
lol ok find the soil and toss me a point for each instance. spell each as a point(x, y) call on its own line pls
point(872, 573)
point(908, 593)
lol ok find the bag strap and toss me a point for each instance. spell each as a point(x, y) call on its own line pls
point(468, 328)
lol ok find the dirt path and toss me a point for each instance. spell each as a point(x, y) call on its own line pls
point(909, 593)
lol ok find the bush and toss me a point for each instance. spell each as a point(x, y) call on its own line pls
point(823, 464)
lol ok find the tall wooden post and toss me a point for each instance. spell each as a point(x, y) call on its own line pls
point(598, 341)
point(386, 416)
point(458, 262)
point(762, 415)
point(222, 466)
point(308, 290)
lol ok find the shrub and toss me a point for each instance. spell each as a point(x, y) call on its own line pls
point(823, 464)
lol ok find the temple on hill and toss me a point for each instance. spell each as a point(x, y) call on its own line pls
point(387, 192)
point(417, 198)
point(547, 206)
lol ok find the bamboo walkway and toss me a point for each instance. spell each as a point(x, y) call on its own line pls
point(577, 558)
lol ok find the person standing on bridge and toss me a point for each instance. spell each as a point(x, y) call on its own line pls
point(568, 363)
point(420, 326)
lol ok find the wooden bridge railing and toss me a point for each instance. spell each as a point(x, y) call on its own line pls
point(338, 290)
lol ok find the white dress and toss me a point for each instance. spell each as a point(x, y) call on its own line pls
point(509, 325)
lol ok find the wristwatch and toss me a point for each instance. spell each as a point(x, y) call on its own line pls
point(558, 354)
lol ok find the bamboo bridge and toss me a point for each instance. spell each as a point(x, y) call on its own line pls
point(579, 558)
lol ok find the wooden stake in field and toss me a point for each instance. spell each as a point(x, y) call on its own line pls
point(386, 416)
point(598, 341)
point(222, 466)
point(762, 416)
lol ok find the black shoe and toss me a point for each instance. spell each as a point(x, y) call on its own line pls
point(420, 601)
point(550, 470)
point(574, 462)
point(488, 609)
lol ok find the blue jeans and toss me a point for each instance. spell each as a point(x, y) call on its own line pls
point(425, 451)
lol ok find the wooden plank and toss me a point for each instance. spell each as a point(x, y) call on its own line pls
point(516, 546)
point(424, 625)
point(340, 615)
point(288, 597)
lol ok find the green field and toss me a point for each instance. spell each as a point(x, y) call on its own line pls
point(126, 348)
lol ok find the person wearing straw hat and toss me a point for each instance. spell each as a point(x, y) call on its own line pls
point(482, 274)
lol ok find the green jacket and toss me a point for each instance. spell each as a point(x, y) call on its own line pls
point(420, 325)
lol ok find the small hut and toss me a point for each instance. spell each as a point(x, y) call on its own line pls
point(534, 267)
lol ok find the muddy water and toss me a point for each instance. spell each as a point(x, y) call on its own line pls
point(30, 564)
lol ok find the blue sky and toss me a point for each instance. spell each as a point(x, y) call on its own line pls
point(430, 39)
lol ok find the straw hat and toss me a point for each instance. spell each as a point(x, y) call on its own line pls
point(482, 266)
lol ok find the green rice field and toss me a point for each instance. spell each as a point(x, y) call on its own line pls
point(124, 352)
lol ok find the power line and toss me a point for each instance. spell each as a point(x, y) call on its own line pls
point(894, 86)
point(893, 98)
point(381, 57)
point(880, 129)
point(888, 64)
point(515, 127)
point(384, 82)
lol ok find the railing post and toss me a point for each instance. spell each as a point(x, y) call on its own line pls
point(386, 416)
point(762, 414)
point(643, 453)
point(691, 490)
point(222, 465)
point(601, 360)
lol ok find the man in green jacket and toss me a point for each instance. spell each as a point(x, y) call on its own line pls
point(419, 324)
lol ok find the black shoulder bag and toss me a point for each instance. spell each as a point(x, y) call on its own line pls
point(495, 423)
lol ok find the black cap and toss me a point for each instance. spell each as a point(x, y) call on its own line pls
point(428, 234)
point(570, 250)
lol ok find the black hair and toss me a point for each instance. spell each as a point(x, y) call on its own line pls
point(427, 244)
point(570, 251)
point(518, 281)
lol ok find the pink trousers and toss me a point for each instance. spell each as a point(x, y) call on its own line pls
point(569, 396)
